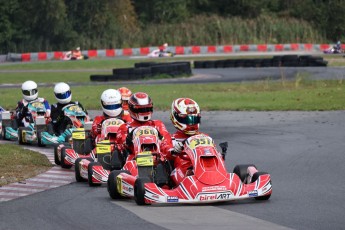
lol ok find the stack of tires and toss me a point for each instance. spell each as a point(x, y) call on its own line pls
point(145, 70)
point(276, 61)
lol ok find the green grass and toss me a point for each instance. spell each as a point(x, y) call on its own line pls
point(17, 164)
point(301, 94)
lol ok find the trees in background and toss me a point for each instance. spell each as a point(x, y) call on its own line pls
point(46, 25)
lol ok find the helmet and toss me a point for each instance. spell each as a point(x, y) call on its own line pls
point(140, 106)
point(338, 43)
point(29, 90)
point(111, 102)
point(63, 93)
point(185, 115)
point(125, 93)
point(165, 45)
point(78, 48)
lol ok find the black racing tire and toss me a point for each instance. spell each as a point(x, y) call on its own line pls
point(63, 155)
point(139, 190)
point(56, 157)
point(90, 173)
point(112, 183)
point(39, 139)
point(20, 136)
point(78, 177)
point(241, 171)
point(254, 178)
point(3, 133)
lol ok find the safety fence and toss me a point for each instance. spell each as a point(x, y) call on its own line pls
point(179, 50)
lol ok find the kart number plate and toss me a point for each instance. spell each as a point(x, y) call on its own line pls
point(38, 105)
point(200, 142)
point(145, 132)
point(145, 161)
point(75, 108)
point(78, 135)
point(101, 149)
point(113, 122)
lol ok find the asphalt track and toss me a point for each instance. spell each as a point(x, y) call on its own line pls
point(303, 152)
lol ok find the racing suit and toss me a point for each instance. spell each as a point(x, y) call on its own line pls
point(97, 123)
point(59, 120)
point(182, 165)
point(124, 139)
point(22, 110)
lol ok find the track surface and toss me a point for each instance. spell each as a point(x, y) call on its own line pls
point(303, 152)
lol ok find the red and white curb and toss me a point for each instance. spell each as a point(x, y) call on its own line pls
point(54, 177)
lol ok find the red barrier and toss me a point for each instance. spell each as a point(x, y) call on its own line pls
point(179, 50)
point(195, 49)
point(127, 52)
point(294, 47)
point(244, 48)
point(26, 57)
point(308, 47)
point(42, 56)
point(211, 49)
point(92, 53)
point(144, 51)
point(279, 47)
point(227, 49)
point(261, 48)
point(58, 55)
point(110, 53)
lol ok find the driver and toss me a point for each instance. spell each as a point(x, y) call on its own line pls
point(30, 94)
point(76, 53)
point(112, 108)
point(63, 95)
point(185, 116)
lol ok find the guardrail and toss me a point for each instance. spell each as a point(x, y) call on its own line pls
point(179, 50)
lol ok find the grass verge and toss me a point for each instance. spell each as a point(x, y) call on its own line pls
point(17, 164)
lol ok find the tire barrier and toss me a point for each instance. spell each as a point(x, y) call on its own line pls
point(276, 61)
point(146, 69)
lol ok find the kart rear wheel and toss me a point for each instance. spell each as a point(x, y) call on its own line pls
point(254, 178)
point(39, 139)
point(20, 134)
point(112, 183)
point(241, 171)
point(90, 173)
point(3, 133)
point(56, 157)
point(139, 190)
point(78, 177)
point(63, 156)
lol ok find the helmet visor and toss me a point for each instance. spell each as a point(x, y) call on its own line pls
point(188, 119)
point(111, 106)
point(141, 110)
point(63, 95)
point(29, 92)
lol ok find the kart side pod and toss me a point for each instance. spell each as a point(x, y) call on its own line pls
point(6, 118)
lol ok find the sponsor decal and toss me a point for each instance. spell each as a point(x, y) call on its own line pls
point(253, 193)
point(155, 196)
point(222, 188)
point(172, 199)
point(103, 149)
point(214, 196)
point(126, 188)
point(78, 135)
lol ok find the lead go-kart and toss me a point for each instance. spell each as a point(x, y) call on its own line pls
point(67, 56)
point(333, 50)
point(75, 117)
point(210, 181)
point(96, 171)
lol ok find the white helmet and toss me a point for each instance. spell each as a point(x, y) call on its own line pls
point(29, 90)
point(63, 93)
point(111, 102)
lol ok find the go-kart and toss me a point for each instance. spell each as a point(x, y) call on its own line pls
point(69, 55)
point(34, 124)
point(144, 162)
point(157, 53)
point(333, 50)
point(210, 182)
point(80, 146)
point(9, 126)
point(96, 171)
point(1, 111)
point(76, 118)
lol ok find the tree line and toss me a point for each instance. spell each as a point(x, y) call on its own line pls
point(48, 25)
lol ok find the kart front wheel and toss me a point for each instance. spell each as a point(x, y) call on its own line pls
point(63, 156)
point(56, 157)
point(254, 178)
point(39, 139)
point(90, 173)
point(241, 171)
point(112, 183)
point(139, 190)
point(78, 177)
point(3, 133)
